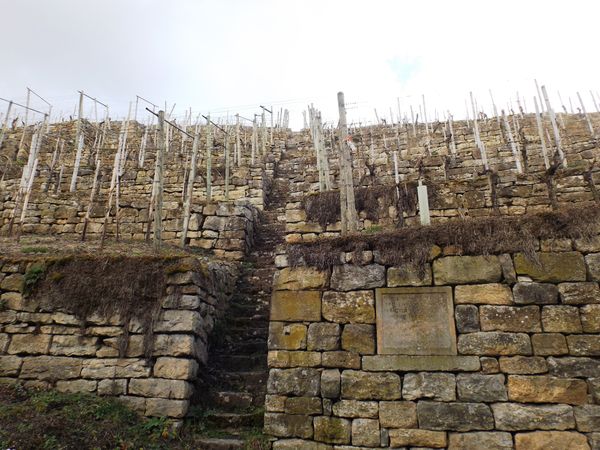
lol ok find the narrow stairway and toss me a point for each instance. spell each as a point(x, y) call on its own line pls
point(238, 356)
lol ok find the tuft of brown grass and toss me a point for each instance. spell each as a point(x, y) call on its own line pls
point(474, 236)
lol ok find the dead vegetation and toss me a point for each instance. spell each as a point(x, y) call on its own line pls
point(482, 236)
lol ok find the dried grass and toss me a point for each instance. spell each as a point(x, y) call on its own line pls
point(482, 236)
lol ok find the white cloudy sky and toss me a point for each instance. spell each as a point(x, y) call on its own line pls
point(232, 55)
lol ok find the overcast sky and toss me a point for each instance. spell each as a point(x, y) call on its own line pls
point(230, 56)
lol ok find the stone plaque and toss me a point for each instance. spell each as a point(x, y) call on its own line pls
point(415, 321)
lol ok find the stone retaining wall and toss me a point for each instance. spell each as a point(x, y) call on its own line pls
point(519, 366)
point(42, 347)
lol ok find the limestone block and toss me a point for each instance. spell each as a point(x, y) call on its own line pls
point(160, 387)
point(160, 407)
point(10, 365)
point(332, 430)
point(551, 440)
point(341, 359)
point(574, 367)
point(288, 425)
point(359, 338)
point(174, 345)
point(349, 307)
point(535, 293)
point(284, 336)
point(330, 383)
point(409, 276)
point(552, 267)
point(488, 440)
point(587, 417)
point(285, 359)
point(51, 368)
point(546, 344)
point(494, 343)
point(466, 269)
point(523, 365)
point(545, 389)
point(454, 416)
point(398, 414)
point(299, 444)
point(592, 262)
point(137, 404)
point(12, 282)
point(299, 382)
point(112, 387)
point(115, 368)
point(435, 386)
point(366, 432)
point(417, 438)
point(303, 405)
point(16, 302)
point(69, 345)
point(29, 344)
point(323, 336)
point(300, 278)
point(561, 319)
point(73, 386)
point(467, 318)
point(510, 318)
point(584, 344)
point(350, 277)
point(383, 363)
point(275, 403)
point(483, 294)
point(517, 417)
point(296, 306)
point(360, 385)
point(480, 388)
point(356, 409)
point(590, 318)
point(579, 293)
point(175, 368)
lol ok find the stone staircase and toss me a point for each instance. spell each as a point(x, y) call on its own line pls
point(237, 366)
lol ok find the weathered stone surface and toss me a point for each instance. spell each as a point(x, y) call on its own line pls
point(370, 386)
point(12, 282)
point(359, 338)
point(489, 365)
point(345, 360)
point(300, 382)
point(479, 440)
point(160, 387)
point(454, 416)
point(179, 320)
point(545, 389)
point(349, 307)
point(417, 438)
point(483, 294)
point(330, 383)
point(115, 368)
point(523, 365)
point(10, 365)
point(579, 293)
point(285, 359)
point(516, 417)
point(467, 269)
point(584, 344)
point(356, 408)
point(525, 293)
point(587, 417)
point(300, 279)
point(29, 344)
point(299, 444)
point(51, 368)
point(175, 368)
point(574, 367)
point(160, 407)
point(552, 267)
point(332, 430)
point(365, 432)
point(467, 318)
point(16, 302)
point(398, 414)
point(408, 276)
point(480, 388)
point(384, 363)
point(592, 262)
point(561, 319)
point(303, 405)
point(74, 346)
point(284, 336)
point(174, 345)
point(72, 386)
point(288, 425)
point(296, 306)
point(323, 336)
point(594, 388)
point(549, 344)
point(434, 386)
point(112, 387)
point(551, 440)
point(590, 318)
point(510, 318)
point(349, 277)
point(494, 343)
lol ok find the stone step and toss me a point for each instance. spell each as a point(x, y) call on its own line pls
point(226, 443)
point(231, 401)
point(240, 362)
point(227, 420)
point(246, 378)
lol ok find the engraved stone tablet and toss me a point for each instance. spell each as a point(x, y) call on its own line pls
point(415, 321)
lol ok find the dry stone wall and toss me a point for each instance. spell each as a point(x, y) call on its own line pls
point(520, 370)
point(45, 347)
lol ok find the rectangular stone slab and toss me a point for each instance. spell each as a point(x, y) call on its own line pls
point(401, 363)
point(415, 321)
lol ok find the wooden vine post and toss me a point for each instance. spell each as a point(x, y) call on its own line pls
point(238, 149)
point(190, 187)
point(209, 144)
point(227, 161)
point(78, 143)
point(159, 182)
point(349, 218)
point(5, 124)
point(538, 119)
